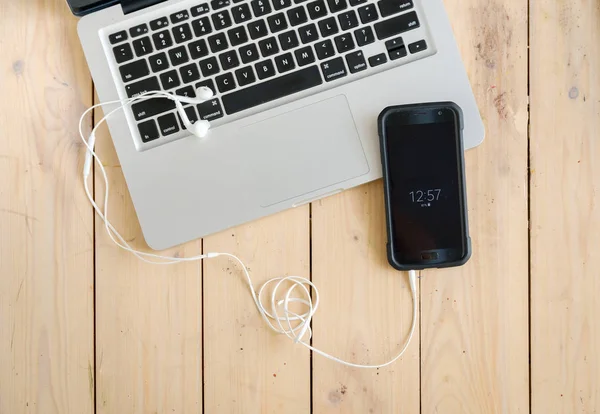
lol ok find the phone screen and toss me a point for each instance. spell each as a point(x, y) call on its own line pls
point(425, 180)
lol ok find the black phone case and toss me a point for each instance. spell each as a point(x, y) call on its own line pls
point(386, 188)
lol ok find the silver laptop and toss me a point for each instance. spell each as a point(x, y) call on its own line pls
point(298, 87)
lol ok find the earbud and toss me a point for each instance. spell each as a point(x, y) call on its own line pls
point(204, 92)
point(199, 128)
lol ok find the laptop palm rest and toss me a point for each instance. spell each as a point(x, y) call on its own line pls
point(299, 156)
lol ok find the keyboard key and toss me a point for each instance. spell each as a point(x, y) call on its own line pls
point(148, 130)
point(282, 4)
point(308, 33)
point(229, 60)
point(219, 4)
point(182, 33)
point(200, 9)
point(241, 13)
point(237, 36)
point(304, 56)
point(417, 46)
point(179, 16)
point(168, 124)
point(377, 60)
point(123, 53)
point(218, 42)
point(367, 13)
point(297, 16)
point(198, 49)
point(249, 53)
point(258, 29)
point(316, 9)
point(268, 47)
point(356, 61)
point(117, 37)
point(221, 20)
point(324, 49)
point(142, 86)
point(397, 53)
point(151, 107)
point(357, 2)
point(396, 25)
point(159, 23)
point(142, 46)
point(187, 91)
point(273, 89)
point(394, 43)
point(364, 36)
point(162, 40)
point(201, 26)
point(348, 20)
point(328, 27)
point(333, 69)
point(158, 62)
point(277, 22)
point(189, 73)
point(210, 110)
point(288, 40)
point(209, 66)
point(264, 69)
point(245, 76)
point(344, 43)
point(389, 7)
point(225, 82)
point(208, 83)
point(170, 80)
point(260, 7)
point(337, 5)
point(285, 63)
point(138, 30)
point(178, 56)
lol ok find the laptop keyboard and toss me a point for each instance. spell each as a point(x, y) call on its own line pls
point(254, 52)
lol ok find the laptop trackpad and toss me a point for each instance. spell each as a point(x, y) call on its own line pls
point(304, 150)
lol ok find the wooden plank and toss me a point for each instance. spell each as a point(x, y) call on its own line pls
point(474, 343)
point(565, 208)
point(248, 368)
point(46, 232)
point(148, 317)
point(365, 310)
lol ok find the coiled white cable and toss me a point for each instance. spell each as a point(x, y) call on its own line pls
point(276, 312)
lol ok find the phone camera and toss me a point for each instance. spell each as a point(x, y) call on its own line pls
point(440, 112)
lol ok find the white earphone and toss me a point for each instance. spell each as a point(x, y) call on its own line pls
point(278, 315)
point(199, 128)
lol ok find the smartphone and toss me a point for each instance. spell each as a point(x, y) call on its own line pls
point(424, 185)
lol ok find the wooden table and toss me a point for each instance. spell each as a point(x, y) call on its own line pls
point(86, 327)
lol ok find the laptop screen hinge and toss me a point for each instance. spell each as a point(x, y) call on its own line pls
point(130, 6)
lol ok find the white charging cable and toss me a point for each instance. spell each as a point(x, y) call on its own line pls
point(278, 316)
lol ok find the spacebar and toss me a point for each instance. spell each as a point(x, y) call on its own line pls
point(274, 89)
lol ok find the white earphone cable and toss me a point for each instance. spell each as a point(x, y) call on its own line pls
point(278, 316)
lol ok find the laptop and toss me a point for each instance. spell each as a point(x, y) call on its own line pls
point(298, 86)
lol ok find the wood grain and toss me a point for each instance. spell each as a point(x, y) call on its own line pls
point(365, 312)
point(148, 317)
point(46, 240)
point(474, 355)
point(248, 368)
point(565, 208)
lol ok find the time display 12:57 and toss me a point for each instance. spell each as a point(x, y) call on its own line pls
point(421, 196)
